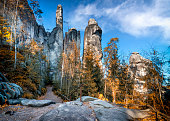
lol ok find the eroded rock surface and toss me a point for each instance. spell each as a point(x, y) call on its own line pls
point(95, 102)
point(59, 16)
point(87, 99)
point(137, 69)
point(69, 113)
point(9, 91)
point(90, 109)
point(55, 47)
point(70, 36)
point(111, 115)
point(92, 39)
point(73, 111)
point(36, 103)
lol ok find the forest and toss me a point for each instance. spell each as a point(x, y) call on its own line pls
point(23, 61)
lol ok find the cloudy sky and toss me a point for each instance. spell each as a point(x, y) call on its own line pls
point(139, 24)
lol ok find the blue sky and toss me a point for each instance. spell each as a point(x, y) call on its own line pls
point(139, 24)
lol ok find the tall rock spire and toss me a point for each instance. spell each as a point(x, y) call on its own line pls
point(55, 46)
point(92, 39)
point(59, 16)
point(70, 36)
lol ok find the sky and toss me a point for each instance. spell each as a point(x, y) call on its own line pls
point(139, 24)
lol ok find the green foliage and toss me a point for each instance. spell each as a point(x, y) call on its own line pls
point(112, 63)
point(125, 83)
point(92, 76)
point(98, 77)
point(68, 70)
point(28, 95)
point(154, 79)
point(27, 73)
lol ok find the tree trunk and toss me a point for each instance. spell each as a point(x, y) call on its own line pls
point(15, 34)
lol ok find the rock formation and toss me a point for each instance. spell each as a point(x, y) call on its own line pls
point(55, 44)
point(92, 39)
point(137, 69)
point(70, 36)
point(8, 90)
point(26, 25)
point(91, 109)
point(28, 30)
point(59, 16)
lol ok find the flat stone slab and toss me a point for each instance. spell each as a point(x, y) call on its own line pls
point(36, 103)
point(74, 103)
point(69, 113)
point(134, 113)
point(104, 114)
point(87, 99)
point(15, 101)
point(100, 103)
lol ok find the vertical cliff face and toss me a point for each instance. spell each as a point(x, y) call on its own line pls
point(20, 17)
point(70, 36)
point(28, 30)
point(55, 48)
point(137, 69)
point(92, 39)
point(24, 28)
point(23, 19)
point(55, 44)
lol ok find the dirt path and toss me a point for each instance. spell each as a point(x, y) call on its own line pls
point(50, 96)
point(24, 113)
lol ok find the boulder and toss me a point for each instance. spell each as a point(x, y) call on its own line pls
point(74, 103)
point(2, 100)
point(19, 89)
point(36, 103)
point(10, 90)
point(87, 99)
point(6, 94)
point(100, 103)
point(15, 101)
point(104, 114)
point(92, 109)
point(69, 113)
point(134, 113)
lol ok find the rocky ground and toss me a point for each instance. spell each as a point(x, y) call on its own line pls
point(90, 109)
point(26, 113)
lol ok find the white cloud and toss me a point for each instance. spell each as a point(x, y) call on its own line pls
point(135, 17)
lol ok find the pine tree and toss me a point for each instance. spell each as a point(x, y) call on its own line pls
point(111, 62)
point(98, 76)
point(154, 79)
point(88, 79)
point(123, 80)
